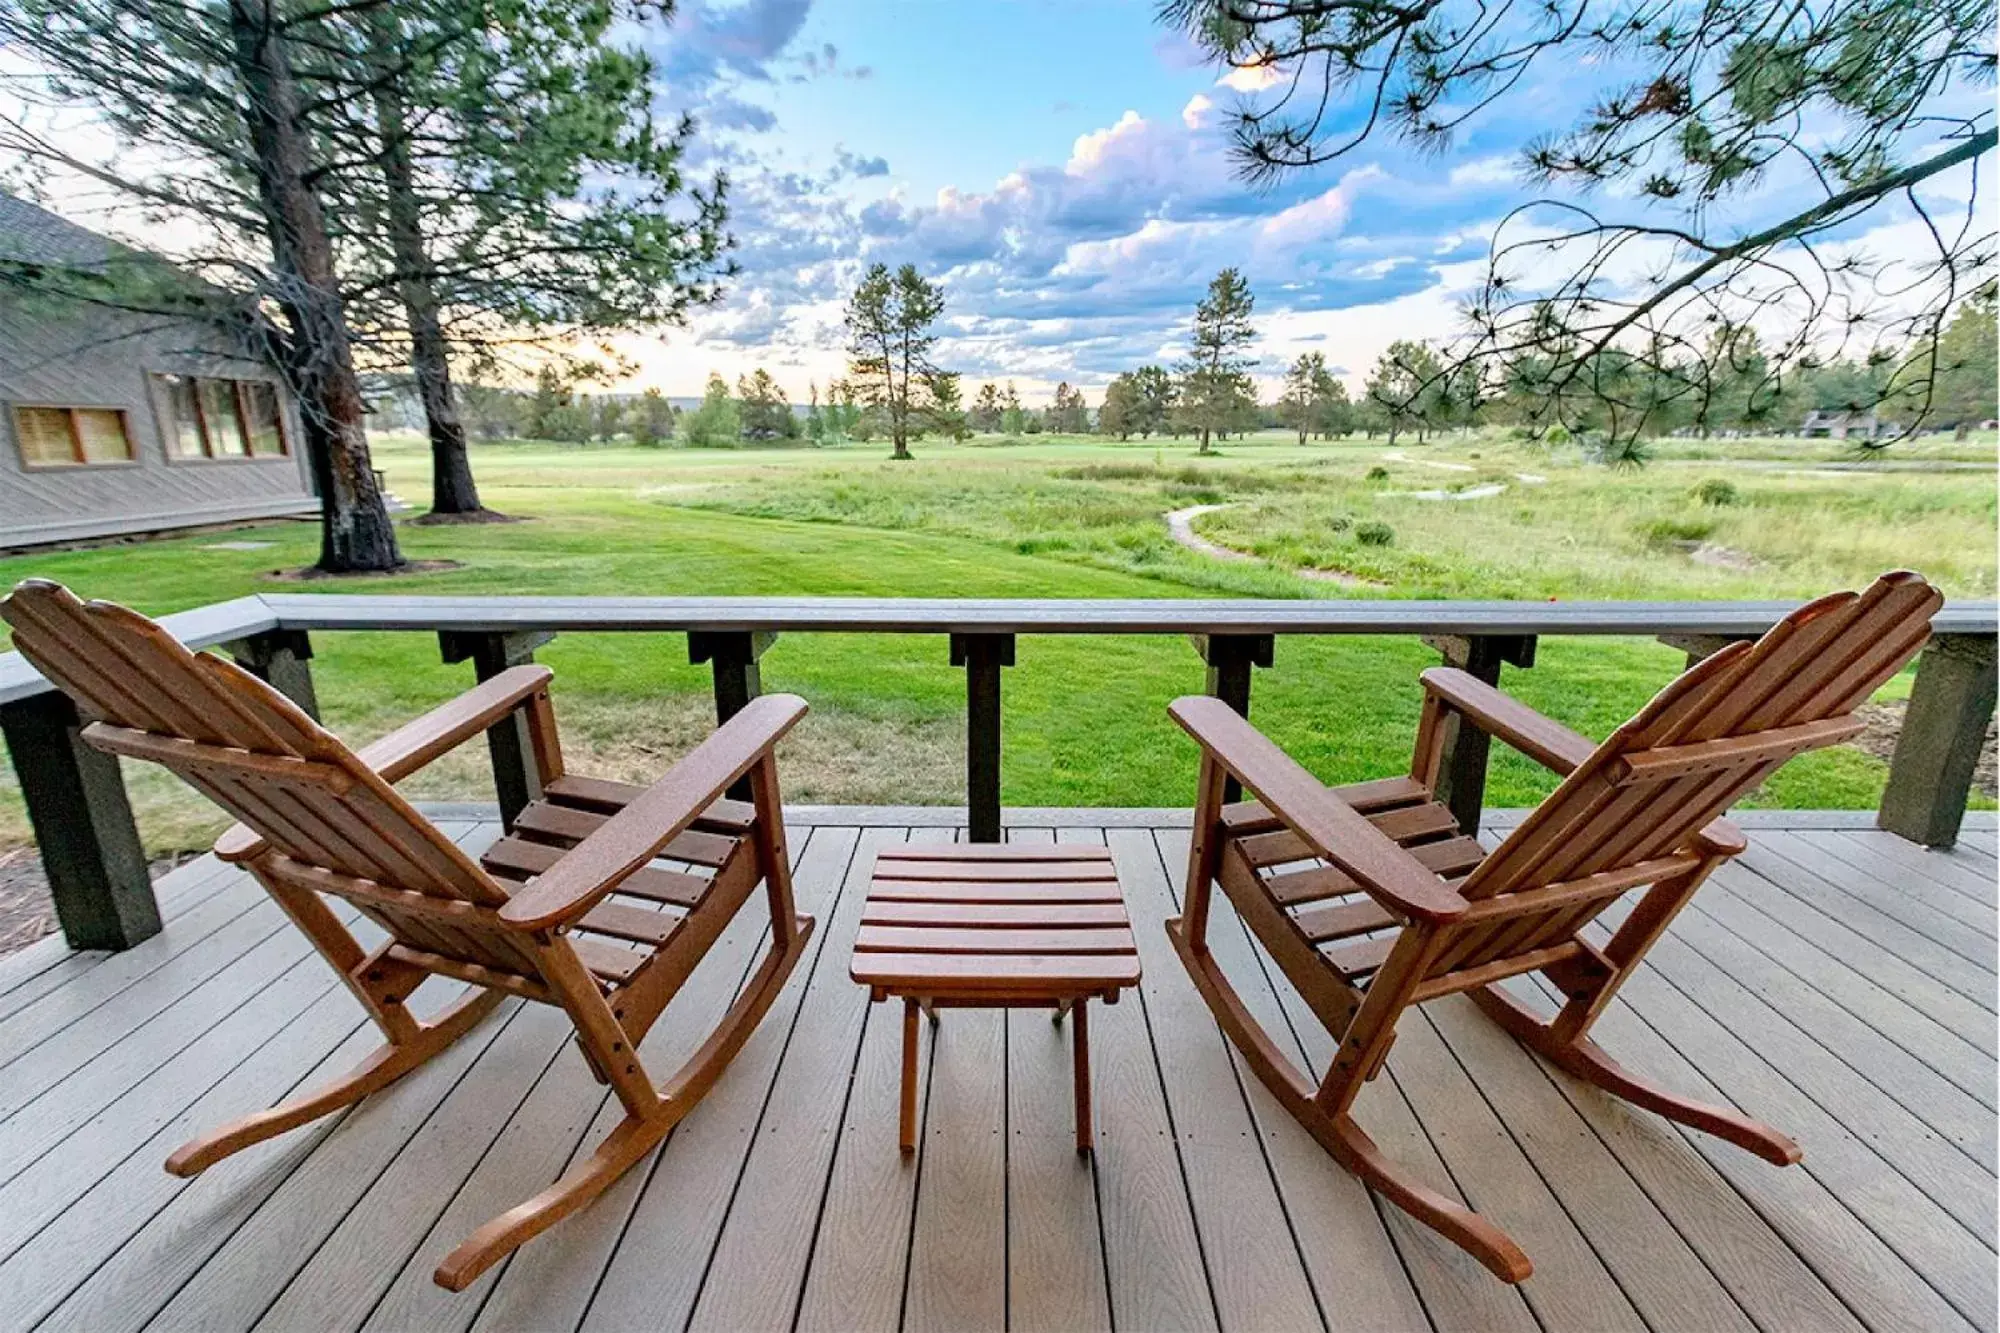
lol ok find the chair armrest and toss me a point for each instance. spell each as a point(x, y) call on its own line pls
point(420, 741)
point(632, 837)
point(1328, 824)
point(1544, 740)
point(1720, 837)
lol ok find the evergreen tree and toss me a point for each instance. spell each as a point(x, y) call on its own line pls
point(1296, 404)
point(1406, 387)
point(1156, 395)
point(1215, 390)
point(1068, 414)
point(508, 178)
point(1332, 413)
point(946, 414)
point(1013, 418)
point(889, 340)
point(766, 414)
point(985, 414)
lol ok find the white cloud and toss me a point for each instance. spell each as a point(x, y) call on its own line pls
point(1195, 112)
point(1501, 170)
point(1320, 218)
point(1252, 78)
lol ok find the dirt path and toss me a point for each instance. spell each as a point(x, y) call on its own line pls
point(1180, 526)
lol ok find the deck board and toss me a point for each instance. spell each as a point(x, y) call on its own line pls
point(1837, 981)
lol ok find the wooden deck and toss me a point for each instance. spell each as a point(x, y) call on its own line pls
point(1837, 981)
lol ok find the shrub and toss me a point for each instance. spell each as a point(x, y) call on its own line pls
point(1667, 531)
point(1378, 473)
point(1375, 534)
point(1340, 523)
point(1716, 491)
point(1556, 434)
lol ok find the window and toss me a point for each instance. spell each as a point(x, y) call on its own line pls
point(69, 436)
point(263, 418)
point(215, 418)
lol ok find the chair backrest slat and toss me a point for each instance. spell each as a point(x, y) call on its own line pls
point(1711, 736)
point(255, 753)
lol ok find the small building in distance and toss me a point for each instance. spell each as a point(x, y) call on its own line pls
point(115, 423)
point(1844, 425)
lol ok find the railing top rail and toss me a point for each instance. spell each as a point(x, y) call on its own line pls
point(957, 615)
point(226, 622)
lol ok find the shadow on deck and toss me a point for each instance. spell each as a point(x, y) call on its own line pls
point(1836, 981)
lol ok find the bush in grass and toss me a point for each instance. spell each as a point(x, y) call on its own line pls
point(1378, 473)
point(1340, 523)
point(1375, 534)
point(1668, 531)
point(1556, 434)
point(1718, 492)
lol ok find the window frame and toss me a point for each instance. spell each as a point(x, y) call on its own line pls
point(77, 460)
point(239, 398)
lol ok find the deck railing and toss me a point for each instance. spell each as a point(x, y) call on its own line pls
point(97, 867)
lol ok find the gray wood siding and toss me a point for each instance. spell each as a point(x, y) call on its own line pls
point(72, 355)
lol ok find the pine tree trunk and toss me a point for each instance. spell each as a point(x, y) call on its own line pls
point(452, 488)
point(355, 532)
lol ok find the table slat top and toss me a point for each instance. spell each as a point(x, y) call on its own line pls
point(1007, 920)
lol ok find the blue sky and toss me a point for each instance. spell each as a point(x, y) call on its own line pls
point(1061, 168)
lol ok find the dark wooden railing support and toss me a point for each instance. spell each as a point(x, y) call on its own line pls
point(1699, 646)
point(1950, 707)
point(738, 679)
point(1230, 658)
point(280, 658)
point(982, 656)
point(1461, 783)
point(517, 780)
point(83, 826)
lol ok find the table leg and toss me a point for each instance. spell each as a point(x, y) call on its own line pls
point(908, 1127)
point(1079, 1035)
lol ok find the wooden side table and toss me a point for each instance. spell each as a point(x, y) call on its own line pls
point(979, 925)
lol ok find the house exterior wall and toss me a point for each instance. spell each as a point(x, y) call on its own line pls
point(66, 354)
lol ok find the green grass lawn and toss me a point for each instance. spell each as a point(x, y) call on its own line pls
point(1085, 719)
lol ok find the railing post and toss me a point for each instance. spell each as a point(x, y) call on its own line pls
point(83, 826)
point(1950, 707)
point(517, 780)
point(982, 656)
point(1699, 647)
point(280, 659)
point(1230, 658)
point(737, 677)
point(1461, 783)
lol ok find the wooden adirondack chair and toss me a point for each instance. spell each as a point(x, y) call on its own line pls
point(1370, 899)
point(567, 910)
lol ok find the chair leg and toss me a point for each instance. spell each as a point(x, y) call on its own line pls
point(906, 1122)
point(1585, 1059)
point(1338, 1134)
point(388, 1063)
point(635, 1135)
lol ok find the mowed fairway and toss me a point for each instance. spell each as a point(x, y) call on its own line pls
point(1085, 720)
